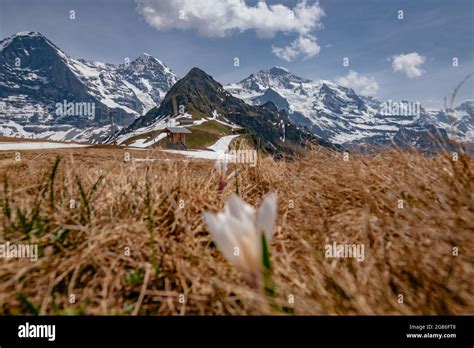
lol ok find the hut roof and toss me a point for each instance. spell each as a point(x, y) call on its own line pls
point(177, 130)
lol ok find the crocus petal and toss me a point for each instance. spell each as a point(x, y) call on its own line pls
point(251, 251)
point(240, 210)
point(218, 229)
point(240, 225)
point(243, 235)
point(266, 215)
point(243, 217)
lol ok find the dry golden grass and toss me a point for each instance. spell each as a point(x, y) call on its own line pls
point(322, 199)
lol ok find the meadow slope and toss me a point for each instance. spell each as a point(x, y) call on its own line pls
point(127, 237)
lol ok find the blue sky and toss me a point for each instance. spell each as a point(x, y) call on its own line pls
point(368, 32)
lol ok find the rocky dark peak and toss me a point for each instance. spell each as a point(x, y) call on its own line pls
point(199, 89)
point(28, 34)
point(197, 92)
point(31, 50)
point(197, 76)
point(201, 96)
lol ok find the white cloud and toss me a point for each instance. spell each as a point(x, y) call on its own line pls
point(408, 64)
point(305, 45)
point(288, 53)
point(363, 85)
point(221, 18)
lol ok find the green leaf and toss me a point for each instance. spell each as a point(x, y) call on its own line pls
point(136, 277)
point(51, 181)
point(267, 268)
point(6, 202)
point(267, 263)
point(28, 304)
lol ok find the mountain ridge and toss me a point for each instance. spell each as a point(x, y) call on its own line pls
point(336, 113)
point(36, 75)
point(199, 96)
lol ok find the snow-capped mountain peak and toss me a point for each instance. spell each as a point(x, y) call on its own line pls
point(28, 33)
point(278, 70)
point(146, 60)
point(35, 75)
point(18, 36)
point(275, 77)
point(333, 112)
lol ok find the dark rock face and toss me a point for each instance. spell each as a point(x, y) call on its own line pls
point(467, 106)
point(427, 138)
point(465, 123)
point(272, 96)
point(31, 67)
point(458, 123)
point(337, 103)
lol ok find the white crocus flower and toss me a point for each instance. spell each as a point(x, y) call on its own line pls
point(237, 233)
